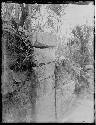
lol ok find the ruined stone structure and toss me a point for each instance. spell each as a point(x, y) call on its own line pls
point(38, 81)
point(45, 60)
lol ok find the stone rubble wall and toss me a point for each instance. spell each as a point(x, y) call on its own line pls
point(45, 107)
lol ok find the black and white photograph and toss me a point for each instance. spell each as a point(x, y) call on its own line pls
point(48, 62)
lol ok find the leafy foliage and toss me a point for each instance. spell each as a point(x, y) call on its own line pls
point(79, 57)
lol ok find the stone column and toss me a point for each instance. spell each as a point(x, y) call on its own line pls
point(45, 60)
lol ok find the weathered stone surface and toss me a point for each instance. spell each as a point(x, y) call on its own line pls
point(45, 86)
point(45, 71)
point(45, 108)
point(44, 55)
point(45, 102)
point(47, 38)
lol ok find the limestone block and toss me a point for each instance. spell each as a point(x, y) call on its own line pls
point(47, 38)
point(45, 108)
point(45, 86)
point(44, 55)
point(45, 71)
